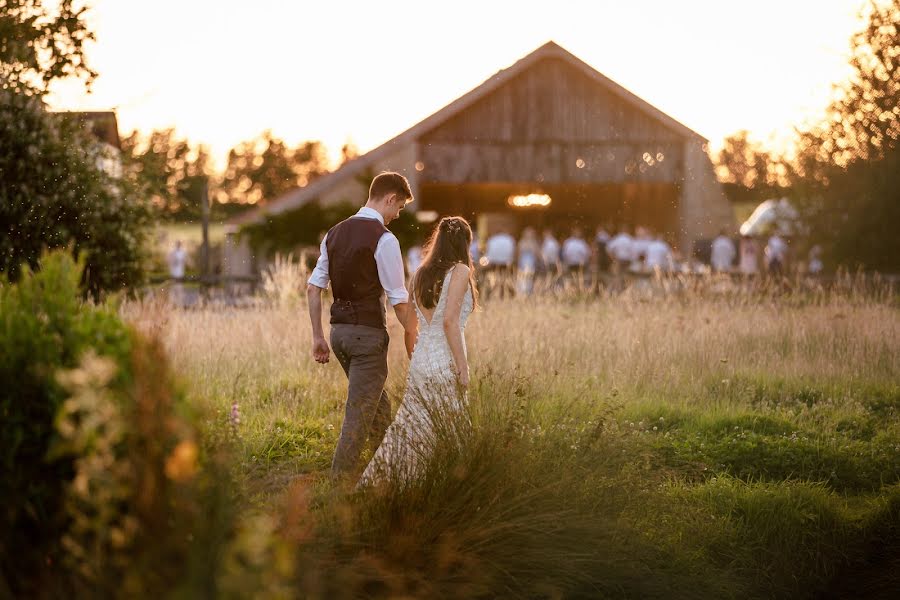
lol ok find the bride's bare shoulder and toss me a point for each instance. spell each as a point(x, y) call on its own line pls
point(459, 282)
point(460, 270)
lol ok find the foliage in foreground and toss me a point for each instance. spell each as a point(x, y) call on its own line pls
point(101, 488)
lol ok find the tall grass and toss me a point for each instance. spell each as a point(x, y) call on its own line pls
point(674, 440)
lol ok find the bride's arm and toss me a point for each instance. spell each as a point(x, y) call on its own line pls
point(459, 284)
point(410, 330)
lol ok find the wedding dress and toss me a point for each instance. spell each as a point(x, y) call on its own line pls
point(433, 402)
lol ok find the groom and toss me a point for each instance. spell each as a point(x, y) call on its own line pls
point(362, 259)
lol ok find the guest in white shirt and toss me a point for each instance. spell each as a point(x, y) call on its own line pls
point(177, 260)
point(620, 250)
point(529, 250)
point(500, 249)
point(659, 255)
point(575, 251)
point(576, 254)
point(500, 253)
point(639, 245)
point(475, 251)
point(749, 263)
point(550, 253)
point(776, 255)
point(413, 259)
point(816, 266)
point(723, 253)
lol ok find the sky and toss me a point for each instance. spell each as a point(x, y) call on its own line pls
point(223, 71)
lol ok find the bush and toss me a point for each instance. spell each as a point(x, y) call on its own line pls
point(101, 465)
point(43, 328)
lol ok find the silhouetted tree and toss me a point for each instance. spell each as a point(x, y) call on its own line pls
point(170, 171)
point(748, 172)
point(847, 171)
point(39, 45)
point(265, 168)
point(349, 151)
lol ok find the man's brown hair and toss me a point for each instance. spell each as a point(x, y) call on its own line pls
point(390, 183)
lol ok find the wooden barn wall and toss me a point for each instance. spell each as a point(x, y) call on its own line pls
point(551, 124)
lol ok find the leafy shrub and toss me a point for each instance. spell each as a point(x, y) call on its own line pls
point(43, 328)
point(101, 465)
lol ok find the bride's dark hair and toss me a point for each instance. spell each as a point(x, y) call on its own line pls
point(448, 245)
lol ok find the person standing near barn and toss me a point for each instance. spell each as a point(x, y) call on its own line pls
point(722, 253)
point(177, 260)
point(776, 255)
point(362, 260)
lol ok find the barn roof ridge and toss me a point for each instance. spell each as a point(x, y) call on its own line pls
point(296, 198)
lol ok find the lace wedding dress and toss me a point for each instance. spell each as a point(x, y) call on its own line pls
point(433, 402)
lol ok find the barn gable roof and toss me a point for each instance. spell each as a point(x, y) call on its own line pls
point(297, 198)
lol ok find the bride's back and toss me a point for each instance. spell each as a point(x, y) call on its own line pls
point(435, 315)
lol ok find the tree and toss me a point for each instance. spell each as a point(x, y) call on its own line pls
point(54, 195)
point(747, 171)
point(847, 170)
point(170, 172)
point(349, 151)
point(38, 46)
point(265, 168)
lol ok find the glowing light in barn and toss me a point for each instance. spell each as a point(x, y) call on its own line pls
point(529, 200)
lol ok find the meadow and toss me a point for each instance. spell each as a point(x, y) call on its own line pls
point(678, 441)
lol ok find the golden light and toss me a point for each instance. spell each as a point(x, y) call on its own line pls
point(529, 200)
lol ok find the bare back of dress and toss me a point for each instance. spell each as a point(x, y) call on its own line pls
point(432, 399)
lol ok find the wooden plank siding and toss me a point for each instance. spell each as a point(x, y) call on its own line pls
point(538, 125)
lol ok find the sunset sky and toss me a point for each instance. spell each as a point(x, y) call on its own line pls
point(222, 71)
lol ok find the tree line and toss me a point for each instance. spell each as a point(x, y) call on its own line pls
point(173, 172)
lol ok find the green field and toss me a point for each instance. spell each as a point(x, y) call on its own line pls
point(693, 444)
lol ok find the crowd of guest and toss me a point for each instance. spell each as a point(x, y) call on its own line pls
point(509, 266)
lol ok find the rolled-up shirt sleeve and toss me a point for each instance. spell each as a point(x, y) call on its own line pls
point(319, 277)
point(389, 261)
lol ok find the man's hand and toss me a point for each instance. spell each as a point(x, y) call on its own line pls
point(321, 351)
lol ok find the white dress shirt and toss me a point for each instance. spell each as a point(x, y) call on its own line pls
point(575, 252)
point(177, 259)
point(620, 247)
point(659, 255)
point(722, 253)
point(550, 251)
point(388, 259)
point(776, 250)
point(501, 249)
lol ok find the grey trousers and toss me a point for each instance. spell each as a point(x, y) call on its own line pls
point(362, 352)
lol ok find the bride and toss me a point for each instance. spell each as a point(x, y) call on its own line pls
point(443, 297)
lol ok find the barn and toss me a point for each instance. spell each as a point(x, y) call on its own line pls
point(547, 142)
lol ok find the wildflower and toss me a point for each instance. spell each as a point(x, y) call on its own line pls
point(235, 416)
